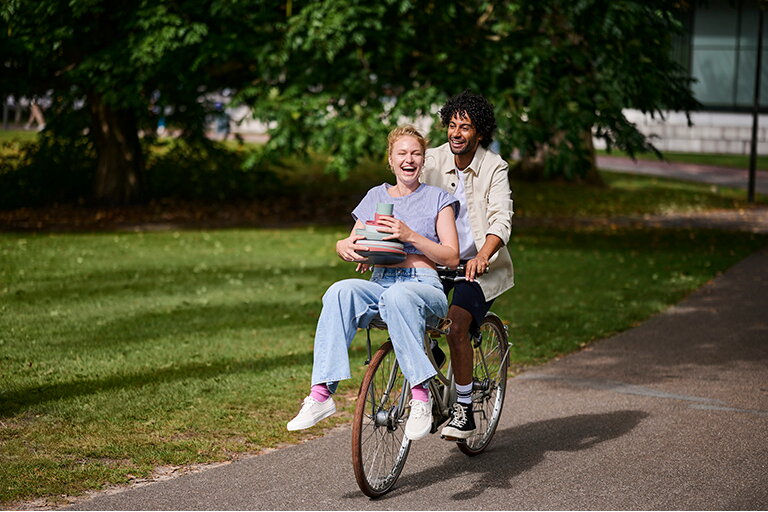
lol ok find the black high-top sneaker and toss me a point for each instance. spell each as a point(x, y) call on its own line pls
point(462, 424)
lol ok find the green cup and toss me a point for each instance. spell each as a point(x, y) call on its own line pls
point(383, 209)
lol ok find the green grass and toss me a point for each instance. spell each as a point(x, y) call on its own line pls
point(623, 195)
point(122, 352)
point(18, 135)
point(716, 159)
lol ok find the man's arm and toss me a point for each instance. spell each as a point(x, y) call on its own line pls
point(500, 205)
point(499, 222)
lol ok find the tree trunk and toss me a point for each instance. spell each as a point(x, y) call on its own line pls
point(120, 165)
point(591, 176)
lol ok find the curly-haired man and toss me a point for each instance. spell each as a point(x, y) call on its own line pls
point(478, 177)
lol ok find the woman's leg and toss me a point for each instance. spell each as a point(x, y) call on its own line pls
point(347, 305)
point(406, 307)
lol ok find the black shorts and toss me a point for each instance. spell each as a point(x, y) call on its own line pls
point(469, 296)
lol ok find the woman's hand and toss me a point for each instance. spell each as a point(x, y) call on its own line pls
point(398, 228)
point(346, 248)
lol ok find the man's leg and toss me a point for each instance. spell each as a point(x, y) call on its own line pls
point(467, 308)
point(458, 341)
point(462, 423)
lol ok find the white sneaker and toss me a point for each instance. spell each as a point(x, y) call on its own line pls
point(419, 420)
point(312, 412)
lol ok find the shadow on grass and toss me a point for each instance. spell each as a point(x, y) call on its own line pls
point(16, 401)
point(516, 450)
point(204, 320)
point(176, 280)
point(173, 306)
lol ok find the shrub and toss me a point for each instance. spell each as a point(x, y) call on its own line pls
point(50, 170)
point(205, 170)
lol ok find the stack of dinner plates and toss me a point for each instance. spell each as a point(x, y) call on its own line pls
point(380, 252)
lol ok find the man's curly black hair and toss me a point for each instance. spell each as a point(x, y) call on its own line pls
point(479, 110)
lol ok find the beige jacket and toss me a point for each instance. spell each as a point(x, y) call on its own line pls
point(489, 205)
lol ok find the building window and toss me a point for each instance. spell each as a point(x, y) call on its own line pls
point(723, 55)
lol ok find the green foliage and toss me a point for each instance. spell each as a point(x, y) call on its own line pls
point(556, 70)
point(50, 170)
point(205, 170)
point(332, 76)
point(576, 65)
point(119, 66)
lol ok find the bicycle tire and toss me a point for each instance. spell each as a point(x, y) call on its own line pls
point(379, 445)
point(489, 376)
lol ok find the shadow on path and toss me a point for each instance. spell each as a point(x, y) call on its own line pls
point(516, 450)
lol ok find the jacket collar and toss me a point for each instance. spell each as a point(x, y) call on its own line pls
point(474, 166)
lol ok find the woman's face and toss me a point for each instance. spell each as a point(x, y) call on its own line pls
point(406, 159)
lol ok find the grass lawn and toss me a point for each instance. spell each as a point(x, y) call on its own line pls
point(719, 160)
point(18, 135)
point(625, 194)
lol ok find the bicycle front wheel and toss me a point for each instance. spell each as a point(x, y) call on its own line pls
point(379, 445)
point(489, 377)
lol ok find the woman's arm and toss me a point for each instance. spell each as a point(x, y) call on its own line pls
point(444, 253)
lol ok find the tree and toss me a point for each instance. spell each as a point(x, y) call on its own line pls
point(112, 65)
point(333, 76)
point(556, 70)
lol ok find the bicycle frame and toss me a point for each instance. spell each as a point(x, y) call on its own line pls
point(442, 386)
point(379, 447)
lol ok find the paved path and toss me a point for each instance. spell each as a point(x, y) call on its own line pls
point(721, 176)
point(672, 414)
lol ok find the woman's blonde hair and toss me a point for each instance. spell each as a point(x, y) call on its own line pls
point(406, 130)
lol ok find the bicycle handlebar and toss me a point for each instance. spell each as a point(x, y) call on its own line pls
point(452, 274)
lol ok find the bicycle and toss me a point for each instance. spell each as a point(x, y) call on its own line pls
point(379, 445)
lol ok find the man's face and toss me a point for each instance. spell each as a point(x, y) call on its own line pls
point(462, 135)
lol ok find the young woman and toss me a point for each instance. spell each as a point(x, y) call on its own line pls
point(406, 295)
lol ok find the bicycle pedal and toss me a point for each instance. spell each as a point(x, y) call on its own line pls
point(453, 439)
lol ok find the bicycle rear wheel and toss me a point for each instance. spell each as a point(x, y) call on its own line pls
point(489, 377)
point(379, 445)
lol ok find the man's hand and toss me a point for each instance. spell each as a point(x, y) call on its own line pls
point(477, 266)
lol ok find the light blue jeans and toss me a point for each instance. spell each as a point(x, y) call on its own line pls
point(406, 298)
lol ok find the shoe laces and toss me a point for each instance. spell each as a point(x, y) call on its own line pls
point(459, 415)
point(309, 402)
point(419, 409)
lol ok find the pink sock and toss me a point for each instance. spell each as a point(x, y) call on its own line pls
point(320, 392)
point(420, 393)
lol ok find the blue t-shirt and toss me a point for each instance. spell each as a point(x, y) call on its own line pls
point(418, 209)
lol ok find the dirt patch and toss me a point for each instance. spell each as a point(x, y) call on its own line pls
point(287, 212)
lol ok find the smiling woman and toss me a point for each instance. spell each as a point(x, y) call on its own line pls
point(406, 159)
